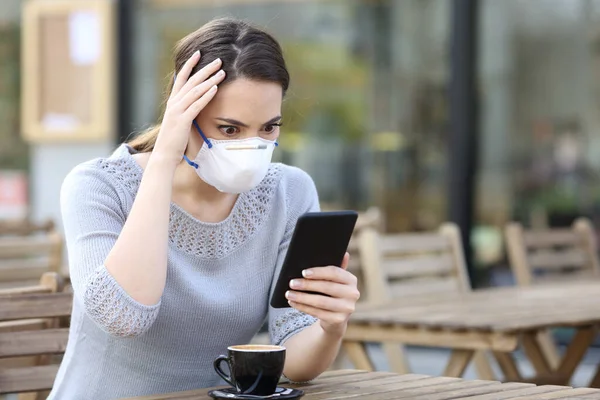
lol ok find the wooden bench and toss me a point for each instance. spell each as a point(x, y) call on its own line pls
point(31, 336)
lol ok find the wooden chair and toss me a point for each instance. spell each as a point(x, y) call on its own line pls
point(24, 258)
point(397, 266)
point(30, 335)
point(371, 218)
point(50, 282)
point(538, 256)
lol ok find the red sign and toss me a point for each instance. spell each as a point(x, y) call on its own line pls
point(13, 195)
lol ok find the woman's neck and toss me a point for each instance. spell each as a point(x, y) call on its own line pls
point(195, 196)
point(198, 198)
point(186, 182)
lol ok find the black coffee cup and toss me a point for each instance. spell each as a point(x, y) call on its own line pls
point(253, 369)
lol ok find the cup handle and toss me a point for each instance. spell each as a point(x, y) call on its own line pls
point(217, 364)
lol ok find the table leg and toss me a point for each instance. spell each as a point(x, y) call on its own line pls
point(482, 366)
point(595, 382)
point(396, 357)
point(459, 360)
point(535, 353)
point(508, 366)
point(548, 346)
point(358, 355)
point(575, 352)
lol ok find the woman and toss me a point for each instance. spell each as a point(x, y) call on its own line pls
point(175, 241)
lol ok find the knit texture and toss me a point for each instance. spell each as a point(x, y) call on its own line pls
point(219, 280)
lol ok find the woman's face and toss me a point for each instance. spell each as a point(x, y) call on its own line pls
point(241, 109)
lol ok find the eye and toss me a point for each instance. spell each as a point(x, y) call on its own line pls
point(229, 130)
point(272, 128)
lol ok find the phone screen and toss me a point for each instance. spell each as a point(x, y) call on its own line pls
point(320, 239)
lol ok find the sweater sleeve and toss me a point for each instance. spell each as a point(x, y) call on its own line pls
point(301, 197)
point(93, 219)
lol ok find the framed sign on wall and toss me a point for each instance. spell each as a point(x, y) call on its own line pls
point(68, 75)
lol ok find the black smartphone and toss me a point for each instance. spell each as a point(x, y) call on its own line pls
point(319, 239)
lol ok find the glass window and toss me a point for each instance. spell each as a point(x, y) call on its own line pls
point(540, 127)
point(366, 114)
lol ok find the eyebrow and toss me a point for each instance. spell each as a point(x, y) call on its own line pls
point(234, 122)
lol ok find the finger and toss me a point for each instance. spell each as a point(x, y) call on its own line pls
point(321, 302)
point(192, 112)
point(322, 315)
point(332, 289)
point(345, 261)
point(183, 75)
point(194, 94)
point(200, 76)
point(331, 273)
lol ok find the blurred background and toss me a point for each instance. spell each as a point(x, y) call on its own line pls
point(478, 112)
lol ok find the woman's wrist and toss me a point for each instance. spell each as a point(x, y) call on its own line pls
point(163, 161)
point(336, 332)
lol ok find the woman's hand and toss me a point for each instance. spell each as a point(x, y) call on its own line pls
point(333, 312)
point(187, 99)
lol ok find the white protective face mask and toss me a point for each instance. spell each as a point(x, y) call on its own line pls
point(233, 166)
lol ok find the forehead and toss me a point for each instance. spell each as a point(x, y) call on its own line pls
point(250, 102)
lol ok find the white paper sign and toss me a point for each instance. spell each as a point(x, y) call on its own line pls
point(85, 42)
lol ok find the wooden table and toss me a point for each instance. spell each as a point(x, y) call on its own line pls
point(386, 386)
point(498, 320)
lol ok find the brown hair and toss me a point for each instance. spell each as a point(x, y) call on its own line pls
point(246, 52)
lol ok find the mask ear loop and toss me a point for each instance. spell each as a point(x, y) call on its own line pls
point(208, 143)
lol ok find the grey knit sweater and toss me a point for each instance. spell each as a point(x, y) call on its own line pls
point(219, 279)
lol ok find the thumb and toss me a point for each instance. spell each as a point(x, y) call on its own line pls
point(345, 261)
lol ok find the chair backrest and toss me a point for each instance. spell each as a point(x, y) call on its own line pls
point(50, 282)
point(25, 227)
point(538, 256)
point(23, 259)
point(412, 264)
point(21, 339)
point(369, 219)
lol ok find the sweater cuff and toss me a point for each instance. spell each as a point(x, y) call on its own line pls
point(117, 313)
point(288, 324)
